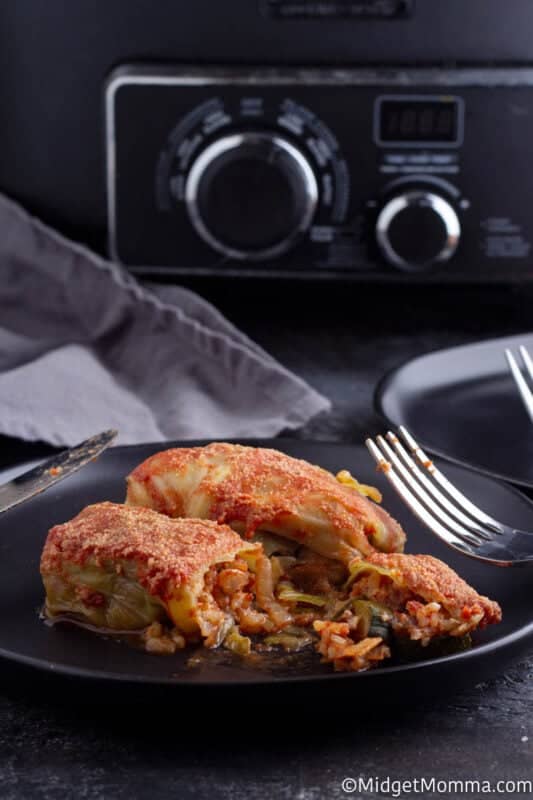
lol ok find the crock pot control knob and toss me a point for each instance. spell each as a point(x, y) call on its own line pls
point(251, 195)
point(417, 230)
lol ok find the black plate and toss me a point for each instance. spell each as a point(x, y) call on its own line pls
point(24, 638)
point(462, 404)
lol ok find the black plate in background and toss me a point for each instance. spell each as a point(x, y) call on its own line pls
point(73, 652)
point(462, 404)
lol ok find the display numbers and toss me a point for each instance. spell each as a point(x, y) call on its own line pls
point(418, 121)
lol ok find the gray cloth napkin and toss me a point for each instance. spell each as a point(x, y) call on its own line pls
point(84, 347)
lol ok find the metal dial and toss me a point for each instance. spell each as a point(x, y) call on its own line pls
point(251, 195)
point(417, 230)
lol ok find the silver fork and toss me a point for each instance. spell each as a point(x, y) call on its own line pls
point(521, 384)
point(443, 508)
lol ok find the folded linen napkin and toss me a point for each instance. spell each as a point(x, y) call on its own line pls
point(84, 347)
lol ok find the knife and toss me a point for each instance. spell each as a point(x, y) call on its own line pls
point(53, 470)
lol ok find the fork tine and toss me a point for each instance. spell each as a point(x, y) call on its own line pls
point(463, 501)
point(425, 497)
point(433, 489)
point(526, 358)
point(521, 385)
point(416, 507)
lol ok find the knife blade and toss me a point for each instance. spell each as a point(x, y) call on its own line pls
point(53, 470)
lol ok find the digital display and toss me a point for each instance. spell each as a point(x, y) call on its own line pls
point(405, 121)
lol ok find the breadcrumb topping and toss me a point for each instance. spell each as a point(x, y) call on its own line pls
point(168, 552)
point(258, 487)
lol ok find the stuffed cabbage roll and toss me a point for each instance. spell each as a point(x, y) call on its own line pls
point(261, 491)
point(124, 569)
point(410, 606)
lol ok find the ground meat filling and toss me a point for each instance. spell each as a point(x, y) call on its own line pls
point(423, 621)
point(341, 646)
point(413, 617)
point(237, 597)
point(293, 602)
point(373, 585)
point(317, 575)
point(158, 639)
point(276, 595)
point(239, 601)
point(235, 602)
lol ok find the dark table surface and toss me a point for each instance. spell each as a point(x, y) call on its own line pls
point(341, 339)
